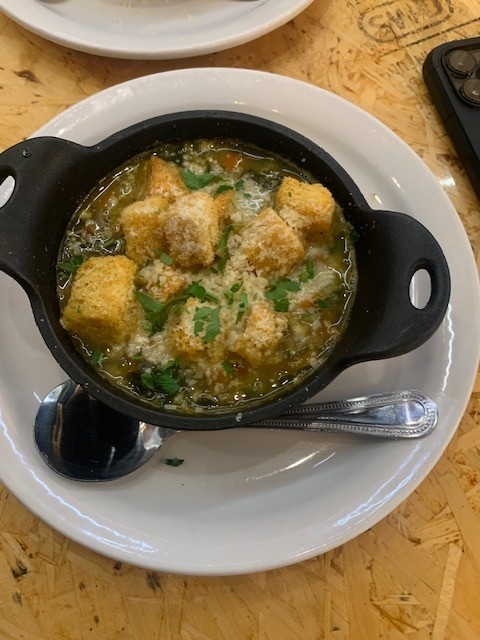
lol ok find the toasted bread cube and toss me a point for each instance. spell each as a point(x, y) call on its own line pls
point(143, 225)
point(270, 245)
point(223, 205)
point(192, 230)
point(164, 179)
point(102, 309)
point(264, 329)
point(162, 281)
point(185, 340)
point(305, 206)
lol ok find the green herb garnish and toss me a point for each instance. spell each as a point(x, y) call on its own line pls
point(222, 250)
point(242, 306)
point(214, 326)
point(167, 383)
point(281, 305)
point(164, 257)
point(223, 242)
point(228, 367)
point(278, 289)
point(196, 181)
point(162, 379)
point(148, 381)
point(156, 313)
point(96, 357)
point(109, 243)
point(308, 273)
point(203, 313)
point(322, 303)
point(174, 462)
point(239, 184)
point(208, 317)
point(230, 295)
point(197, 290)
point(277, 292)
point(222, 188)
point(200, 317)
point(72, 265)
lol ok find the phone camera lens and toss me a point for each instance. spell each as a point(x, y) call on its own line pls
point(471, 91)
point(462, 63)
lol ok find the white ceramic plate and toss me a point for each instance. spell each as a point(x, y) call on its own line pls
point(151, 29)
point(246, 501)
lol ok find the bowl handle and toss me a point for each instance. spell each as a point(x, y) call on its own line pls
point(37, 166)
point(398, 326)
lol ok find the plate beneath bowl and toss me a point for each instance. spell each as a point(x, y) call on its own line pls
point(152, 29)
point(245, 501)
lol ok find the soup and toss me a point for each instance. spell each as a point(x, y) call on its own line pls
point(207, 274)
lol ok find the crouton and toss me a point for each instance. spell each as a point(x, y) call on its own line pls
point(270, 245)
point(303, 206)
point(264, 329)
point(162, 281)
point(184, 338)
point(164, 179)
point(102, 309)
point(192, 230)
point(223, 205)
point(143, 225)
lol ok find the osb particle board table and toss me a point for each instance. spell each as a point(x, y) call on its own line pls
point(416, 574)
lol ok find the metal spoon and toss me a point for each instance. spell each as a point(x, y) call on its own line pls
point(83, 439)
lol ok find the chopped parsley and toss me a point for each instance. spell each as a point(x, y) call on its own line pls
point(208, 319)
point(162, 379)
point(164, 257)
point(308, 273)
point(214, 326)
point(110, 242)
point(242, 306)
point(228, 367)
point(239, 184)
point(174, 462)
point(222, 250)
point(196, 181)
point(230, 294)
point(197, 290)
point(277, 291)
point(222, 188)
point(323, 303)
point(72, 265)
point(281, 305)
point(156, 313)
point(96, 357)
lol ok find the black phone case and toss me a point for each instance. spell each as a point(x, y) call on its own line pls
point(446, 77)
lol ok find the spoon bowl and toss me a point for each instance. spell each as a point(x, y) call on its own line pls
point(83, 439)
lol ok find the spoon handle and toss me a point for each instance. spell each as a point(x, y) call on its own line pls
point(400, 414)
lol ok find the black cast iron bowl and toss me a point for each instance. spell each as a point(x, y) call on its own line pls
point(52, 176)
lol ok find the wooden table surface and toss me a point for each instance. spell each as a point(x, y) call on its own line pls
point(416, 574)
